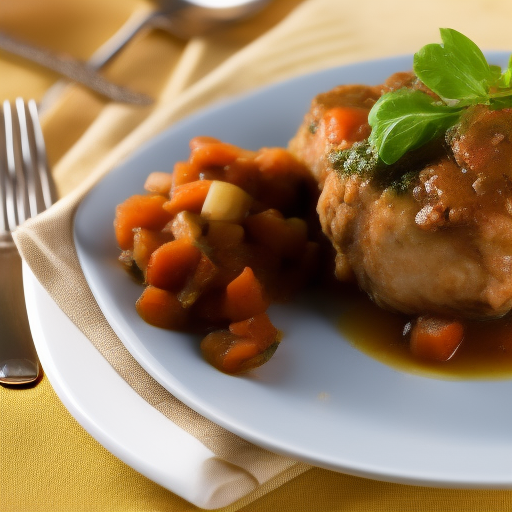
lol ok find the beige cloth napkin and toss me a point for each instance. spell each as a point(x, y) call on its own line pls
point(317, 34)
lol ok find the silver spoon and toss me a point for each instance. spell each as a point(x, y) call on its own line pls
point(182, 18)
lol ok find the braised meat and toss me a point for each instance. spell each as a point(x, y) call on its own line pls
point(429, 234)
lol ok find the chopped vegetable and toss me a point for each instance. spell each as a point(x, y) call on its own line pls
point(205, 272)
point(188, 197)
point(159, 183)
point(207, 152)
point(345, 124)
point(200, 243)
point(224, 234)
point(161, 308)
point(244, 346)
point(139, 212)
point(172, 263)
point(245, 297)
point(184, 173)
point(226, 202)
point(435, 339)
point(145, 242)
point(186, 225)
point(284, 237)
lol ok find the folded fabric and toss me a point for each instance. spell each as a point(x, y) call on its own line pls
point(316, 34)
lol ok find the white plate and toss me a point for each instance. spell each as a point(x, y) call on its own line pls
point(318, 399)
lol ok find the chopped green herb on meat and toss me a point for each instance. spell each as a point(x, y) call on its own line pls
point(360, 159)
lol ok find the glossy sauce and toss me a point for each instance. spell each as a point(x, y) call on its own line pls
point(485, 352)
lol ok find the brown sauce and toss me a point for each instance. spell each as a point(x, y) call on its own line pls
point(485, 353)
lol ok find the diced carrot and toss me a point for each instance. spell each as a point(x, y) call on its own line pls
point(243, 173)
point(201, 140)
point(213, 154)
point(284, 183)
point(198, 282)
point(278, 161)
point(159, 183)
point(188, 197)
point(345, 124)
point(239, 354)
point(184, 173)
point(435, 339)
point(245, 297)
point(224, 234)
point(217, 345)
point(284, 237)
point(233, 354)
point(231, 261)
point(145, 242)
point(172, 263)
point(139, 211)
point(161, 308)
point(258, 327)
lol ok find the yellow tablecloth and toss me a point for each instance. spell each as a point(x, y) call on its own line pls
point(49, 462)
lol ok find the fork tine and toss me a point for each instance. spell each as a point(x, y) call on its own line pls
point(26, 182)
point(29, 191)
point(4, 223)
point(41, 159)
point(25, 174)
point(9, 171)
point(17, 205)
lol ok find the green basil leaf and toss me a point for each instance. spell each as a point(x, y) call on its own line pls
point(499, 103)
point(505, 80)
point(496, 74)
point(404, 120)
point(456, 70)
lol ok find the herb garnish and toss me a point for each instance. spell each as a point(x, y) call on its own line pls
point(360, 159)
point(458, 73)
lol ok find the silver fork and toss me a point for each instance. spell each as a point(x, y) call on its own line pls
point(25, 191)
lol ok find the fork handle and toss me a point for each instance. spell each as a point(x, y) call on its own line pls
point(19, 363)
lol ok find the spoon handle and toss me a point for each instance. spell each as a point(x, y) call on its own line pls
point(136, 22)
point(74, 69)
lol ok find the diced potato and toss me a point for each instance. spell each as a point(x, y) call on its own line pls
point(226, 202)
point(186, 225)
point(159, 183)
